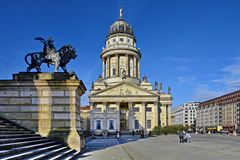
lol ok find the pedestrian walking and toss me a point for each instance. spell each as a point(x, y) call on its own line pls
point(120, 133)
point(181, 135)
point(117, 134)
point(133, 133)
point(188, 138)
point(142, 133)
point(150, 133)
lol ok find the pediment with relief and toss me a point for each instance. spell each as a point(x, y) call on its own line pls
point(124, 90)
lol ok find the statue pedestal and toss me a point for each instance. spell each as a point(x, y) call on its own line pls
point(47, 103)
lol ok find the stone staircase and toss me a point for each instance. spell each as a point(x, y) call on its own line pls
point(19, 143)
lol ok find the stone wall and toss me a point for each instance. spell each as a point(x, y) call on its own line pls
point(47, 103)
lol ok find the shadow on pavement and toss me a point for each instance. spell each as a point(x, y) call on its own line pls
point(100, 143)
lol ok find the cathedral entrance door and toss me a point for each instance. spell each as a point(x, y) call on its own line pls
point(124, 116)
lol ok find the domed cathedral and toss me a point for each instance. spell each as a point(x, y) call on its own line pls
point(119, 99)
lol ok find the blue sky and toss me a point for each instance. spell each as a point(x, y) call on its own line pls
point(193, 46)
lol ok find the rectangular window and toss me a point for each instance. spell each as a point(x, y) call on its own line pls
point(149, 109)
point(136, 124)
point(136, 109)
point(98, 124)
point(149, 124)
point(111, 124)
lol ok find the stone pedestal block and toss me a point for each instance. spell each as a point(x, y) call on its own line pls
point(47, 103)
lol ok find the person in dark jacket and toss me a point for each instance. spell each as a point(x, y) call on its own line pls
point(181, 135)
point(150, 133)
point(142, 133)
point(133, 133)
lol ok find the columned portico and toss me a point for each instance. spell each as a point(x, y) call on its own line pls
point(120, 99)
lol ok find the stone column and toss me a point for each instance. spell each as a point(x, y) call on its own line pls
point(156, 113)
point(117, 65)
point(104, 116)
point(109, 63)
point(103, 68)
point(107, 67)
point(130, 116)
point(167, 115)
point(143, 115)
point(134, 67)
point(118, 116)
point(92, 116)
point(127, 65)
point(138, 65)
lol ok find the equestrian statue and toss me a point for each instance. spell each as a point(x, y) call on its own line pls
point(50, 55)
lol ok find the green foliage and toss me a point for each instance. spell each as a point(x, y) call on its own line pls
point(174, 129)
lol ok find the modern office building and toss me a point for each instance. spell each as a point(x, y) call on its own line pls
point(184, 114)
point(219, 113)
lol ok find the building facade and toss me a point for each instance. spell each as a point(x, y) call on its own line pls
point(119, 99)
point(185, 114)
point(85, 118)
point(220, 113)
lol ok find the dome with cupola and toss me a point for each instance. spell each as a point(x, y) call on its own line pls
point(120, 26)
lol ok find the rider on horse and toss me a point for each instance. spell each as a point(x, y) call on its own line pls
point(48, 47)
point(50, 55)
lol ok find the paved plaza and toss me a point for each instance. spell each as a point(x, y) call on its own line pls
point(202, 147)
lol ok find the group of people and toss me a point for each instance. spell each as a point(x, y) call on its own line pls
point(184, 137)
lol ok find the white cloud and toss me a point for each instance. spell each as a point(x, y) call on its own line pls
point(189, 80)
point(233, 69)
point(231, 75)
point(202, 93)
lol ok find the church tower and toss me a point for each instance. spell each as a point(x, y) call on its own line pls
point(120, 57)
point(119, 99)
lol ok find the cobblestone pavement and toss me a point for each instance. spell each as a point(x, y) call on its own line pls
point(202, 147)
